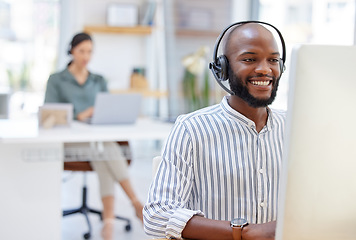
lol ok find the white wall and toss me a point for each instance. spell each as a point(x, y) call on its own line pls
point(222, 13)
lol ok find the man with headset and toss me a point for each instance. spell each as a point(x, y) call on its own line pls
point(221, 165)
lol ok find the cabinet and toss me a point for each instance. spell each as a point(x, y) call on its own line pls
point(201, 17)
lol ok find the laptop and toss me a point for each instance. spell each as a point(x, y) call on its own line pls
point(318, 186)
point(116, 108)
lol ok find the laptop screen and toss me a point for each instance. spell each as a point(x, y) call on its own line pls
point(116, 108)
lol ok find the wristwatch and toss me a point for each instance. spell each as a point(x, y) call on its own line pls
point(237, 225)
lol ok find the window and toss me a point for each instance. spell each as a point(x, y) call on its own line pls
point(28, 49)
point(308, 21)
point(312, 21)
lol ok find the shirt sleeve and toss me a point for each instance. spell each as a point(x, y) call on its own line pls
point(104, 85)
point(52, 95)
point(166, 212)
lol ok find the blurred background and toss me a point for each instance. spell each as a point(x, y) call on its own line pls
point(34, 37)
point(165, 45)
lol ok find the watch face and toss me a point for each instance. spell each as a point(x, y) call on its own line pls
point(238, 222)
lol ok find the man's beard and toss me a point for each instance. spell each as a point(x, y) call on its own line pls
point(241, 91)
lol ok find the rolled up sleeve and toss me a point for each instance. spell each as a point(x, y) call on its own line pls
point(178, 220)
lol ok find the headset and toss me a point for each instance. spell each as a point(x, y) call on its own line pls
point(220, 64)
point(78, 38)
point(69, 50)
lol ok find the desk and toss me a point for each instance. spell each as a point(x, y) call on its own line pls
point(31, 166)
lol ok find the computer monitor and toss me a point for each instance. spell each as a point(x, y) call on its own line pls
point(318, 186)
point(4, 105)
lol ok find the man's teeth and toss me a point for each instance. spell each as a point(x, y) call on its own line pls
point(260, 83)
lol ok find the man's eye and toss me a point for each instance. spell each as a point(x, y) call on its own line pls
point(274, 60)
point(248, 60)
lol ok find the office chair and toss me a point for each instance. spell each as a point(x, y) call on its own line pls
point(84, 166)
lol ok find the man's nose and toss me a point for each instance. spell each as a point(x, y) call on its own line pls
point(263, 67)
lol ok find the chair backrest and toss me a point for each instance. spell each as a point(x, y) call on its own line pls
point(155, 163)
point(82, 166)
point(126, 150)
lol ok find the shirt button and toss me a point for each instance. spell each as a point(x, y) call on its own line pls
point(261, 170)
point(251, 125)
point(262, 204)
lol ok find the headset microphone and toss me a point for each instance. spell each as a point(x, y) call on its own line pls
point(220, 65)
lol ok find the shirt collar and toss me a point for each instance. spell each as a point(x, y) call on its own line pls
point(233, 114)
point(69, 76)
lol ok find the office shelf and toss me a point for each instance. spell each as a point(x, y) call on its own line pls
point(144, 92)
point(196, 33)
point(141, 30)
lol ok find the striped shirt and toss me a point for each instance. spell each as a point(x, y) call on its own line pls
point(215, 164)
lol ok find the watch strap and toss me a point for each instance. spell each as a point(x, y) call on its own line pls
point(236, 233)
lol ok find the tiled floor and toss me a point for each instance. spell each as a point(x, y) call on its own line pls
point(74, 226)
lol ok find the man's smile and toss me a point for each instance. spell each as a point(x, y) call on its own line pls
point(261, 83)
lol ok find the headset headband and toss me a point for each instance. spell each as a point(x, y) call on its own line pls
point(217, 43)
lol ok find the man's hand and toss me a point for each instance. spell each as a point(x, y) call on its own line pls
point(264, 231)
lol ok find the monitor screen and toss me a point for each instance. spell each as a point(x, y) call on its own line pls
point(318, 186)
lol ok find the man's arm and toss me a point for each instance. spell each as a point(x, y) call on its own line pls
point(207, 229)
point(265, 231)
point(203, 228)
point(165, 212)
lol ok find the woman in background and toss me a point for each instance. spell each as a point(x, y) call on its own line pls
point(78, 86)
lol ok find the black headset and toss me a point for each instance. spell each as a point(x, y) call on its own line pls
point(220, 64)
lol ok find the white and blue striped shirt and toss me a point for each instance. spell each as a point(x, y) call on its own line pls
point(217, 165)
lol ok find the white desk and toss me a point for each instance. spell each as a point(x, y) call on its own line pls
point(31, 166)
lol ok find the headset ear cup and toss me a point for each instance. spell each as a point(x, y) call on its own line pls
point(69, 49)
point(223, 64)
point(282, 67)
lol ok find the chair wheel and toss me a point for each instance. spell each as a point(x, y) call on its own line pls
point(87, 236)
point(128, 227)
